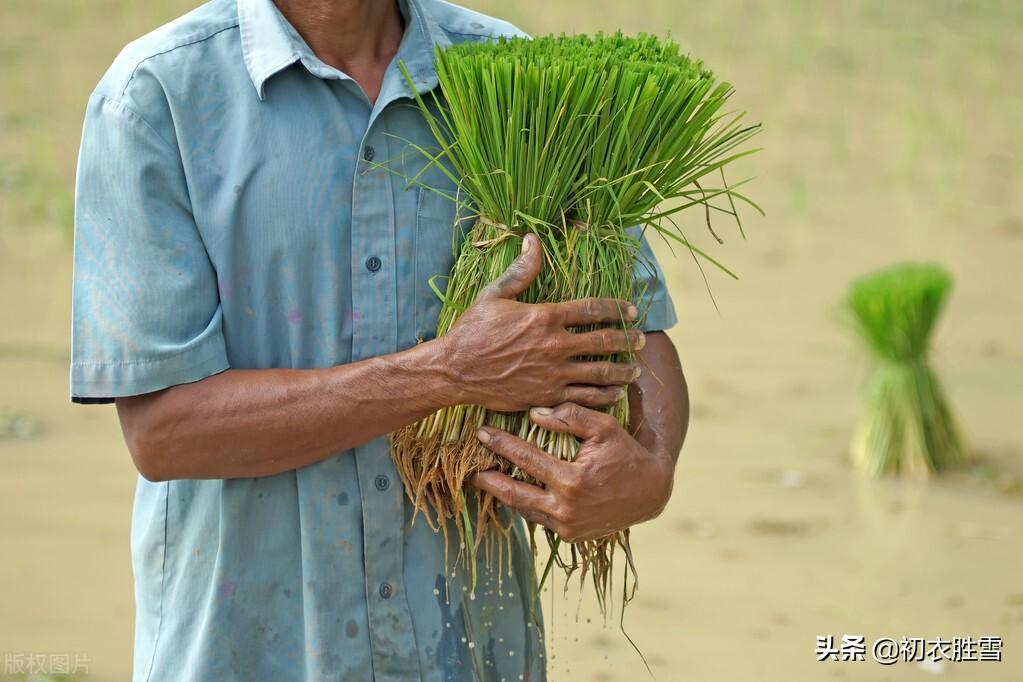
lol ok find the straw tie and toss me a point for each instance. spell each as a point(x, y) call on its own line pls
point(505, 232)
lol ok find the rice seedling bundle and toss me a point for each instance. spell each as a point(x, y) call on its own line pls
point(907, 426)
point(576, 140)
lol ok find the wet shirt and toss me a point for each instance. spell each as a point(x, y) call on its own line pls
point(232, 212)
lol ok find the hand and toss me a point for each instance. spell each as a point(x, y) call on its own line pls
point(509, 356)
point(614, 482)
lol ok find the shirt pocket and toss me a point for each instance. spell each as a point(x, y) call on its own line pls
point(436, 244)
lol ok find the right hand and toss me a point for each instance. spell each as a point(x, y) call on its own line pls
point(510, 356)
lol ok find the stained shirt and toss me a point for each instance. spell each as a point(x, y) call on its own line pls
point(232, 212)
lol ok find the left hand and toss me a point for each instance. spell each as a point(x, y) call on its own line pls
point(614, 482)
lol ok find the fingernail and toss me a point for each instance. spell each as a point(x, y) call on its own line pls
point(619, 394)
point(483, 436)
point(636, 372)
point(525, 244)
point(543, 411)
point(631, 313)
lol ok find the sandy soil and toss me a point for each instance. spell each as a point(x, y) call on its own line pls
point(891, 133)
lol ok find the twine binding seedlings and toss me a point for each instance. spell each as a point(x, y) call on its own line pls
point(585, 142)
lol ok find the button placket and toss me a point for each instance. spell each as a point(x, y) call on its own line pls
point(374, 332)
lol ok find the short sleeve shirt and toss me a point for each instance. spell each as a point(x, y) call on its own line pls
point(232, 212)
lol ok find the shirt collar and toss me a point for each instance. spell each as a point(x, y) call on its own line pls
point(271, 44)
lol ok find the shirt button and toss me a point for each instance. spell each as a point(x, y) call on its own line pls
point(382, 482)
point(373, 263)
point(368, 152)
point(386, 590)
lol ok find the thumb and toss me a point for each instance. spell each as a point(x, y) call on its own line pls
point(520, 274)
point(571, 418)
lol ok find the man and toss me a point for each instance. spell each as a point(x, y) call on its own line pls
point(252, 291)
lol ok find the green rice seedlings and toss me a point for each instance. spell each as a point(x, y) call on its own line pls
point(907, 426)
point(575, 139)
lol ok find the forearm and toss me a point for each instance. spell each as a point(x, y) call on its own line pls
point(659, 398)
point(502, 354)
point(251, 423)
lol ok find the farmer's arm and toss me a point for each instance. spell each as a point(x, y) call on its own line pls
point(659, 398)
point(618, 479)
point(250, 423)
point(502, 354)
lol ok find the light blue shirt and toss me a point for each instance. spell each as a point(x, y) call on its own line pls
point(229, 214)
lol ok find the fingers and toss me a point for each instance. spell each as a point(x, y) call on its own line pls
point(603, 373)
point(545, 520)
point(606, 342)
point(528, 499)
point(531, 460)
point(579, 421)
point(593, 396)
point(520, 274)
point(587, 311)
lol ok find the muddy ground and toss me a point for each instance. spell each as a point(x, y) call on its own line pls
point(891, 133)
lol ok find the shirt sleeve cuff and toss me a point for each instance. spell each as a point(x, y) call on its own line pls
point(660, 314)
point(101, 382)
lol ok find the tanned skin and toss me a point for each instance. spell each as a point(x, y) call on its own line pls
point(502, 354)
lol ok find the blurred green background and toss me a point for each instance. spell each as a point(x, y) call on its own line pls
point(892, 132)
